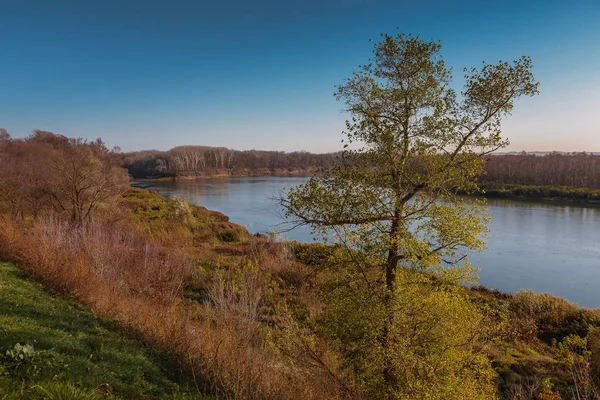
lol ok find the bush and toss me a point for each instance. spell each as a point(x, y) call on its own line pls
point(433, 341)
point(548, 317)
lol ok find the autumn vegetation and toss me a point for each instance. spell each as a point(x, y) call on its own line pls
point(378, 311)
point(245, 317)
point(72, 177)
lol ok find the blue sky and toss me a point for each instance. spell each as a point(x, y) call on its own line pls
point(157, 74)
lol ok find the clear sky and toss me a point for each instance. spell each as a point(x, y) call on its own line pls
point(261, 74)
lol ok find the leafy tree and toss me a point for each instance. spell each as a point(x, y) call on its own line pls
point(432, 344)
point(412, 143)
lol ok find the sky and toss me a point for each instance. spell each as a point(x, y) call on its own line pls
point(261, 74)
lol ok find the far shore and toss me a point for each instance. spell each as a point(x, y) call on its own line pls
point(547, 194)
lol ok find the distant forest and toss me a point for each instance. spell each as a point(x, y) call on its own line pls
point(191, 161)
point(552, 169)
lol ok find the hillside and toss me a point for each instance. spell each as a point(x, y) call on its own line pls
point(530, 340)
point(51, 347)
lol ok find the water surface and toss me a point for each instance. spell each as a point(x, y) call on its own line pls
point(546, 247)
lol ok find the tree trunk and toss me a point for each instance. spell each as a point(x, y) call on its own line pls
point(389, 378)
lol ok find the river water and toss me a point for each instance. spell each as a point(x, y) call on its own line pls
point(545, 247)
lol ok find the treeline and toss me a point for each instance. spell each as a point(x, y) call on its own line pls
point(48, 172)
point(580, 170)
point(554, 169)
point(205, 161)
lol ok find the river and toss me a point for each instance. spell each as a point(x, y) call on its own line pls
point(545, 247)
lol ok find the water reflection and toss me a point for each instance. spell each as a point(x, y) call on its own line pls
point(541, 246)
point(247, 201)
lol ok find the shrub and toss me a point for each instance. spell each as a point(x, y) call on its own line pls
point(433, 341)
point(548, 317)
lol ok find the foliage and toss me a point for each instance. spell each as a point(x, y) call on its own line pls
point(23, 361)
point(52, 172)
point(411, 145)
point(549, 317)
point(539, 342)
point(431, 339)
point(182, 210)
point(576, 355)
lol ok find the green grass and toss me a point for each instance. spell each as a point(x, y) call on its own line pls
point(158, 215)
point(556, 193)
point(73, 354)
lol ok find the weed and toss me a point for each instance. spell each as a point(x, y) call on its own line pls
point(24, 362)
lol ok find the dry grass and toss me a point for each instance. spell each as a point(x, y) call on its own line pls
point(139, 284)
point(549, 317)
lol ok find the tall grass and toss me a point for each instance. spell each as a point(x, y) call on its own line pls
point(224, 343)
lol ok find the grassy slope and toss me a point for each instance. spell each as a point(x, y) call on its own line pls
point(197, 225)
point(524, 348)
point(76, 350)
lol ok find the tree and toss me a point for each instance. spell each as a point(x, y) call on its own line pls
point(24, 170)
point(433, 341)
point(412, 144)
point(86, 176)
point(52, 172)
point(4, 135)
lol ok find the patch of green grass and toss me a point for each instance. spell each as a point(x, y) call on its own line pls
point(167, 218)
point(146, 204)
point(559, 193)
point(52, 348)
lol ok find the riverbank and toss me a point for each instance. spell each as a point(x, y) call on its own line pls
point(533, 336)
point(558, 194)
point(530, 244)
point(235, 172)
point(555, 194)
point(242, 311)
